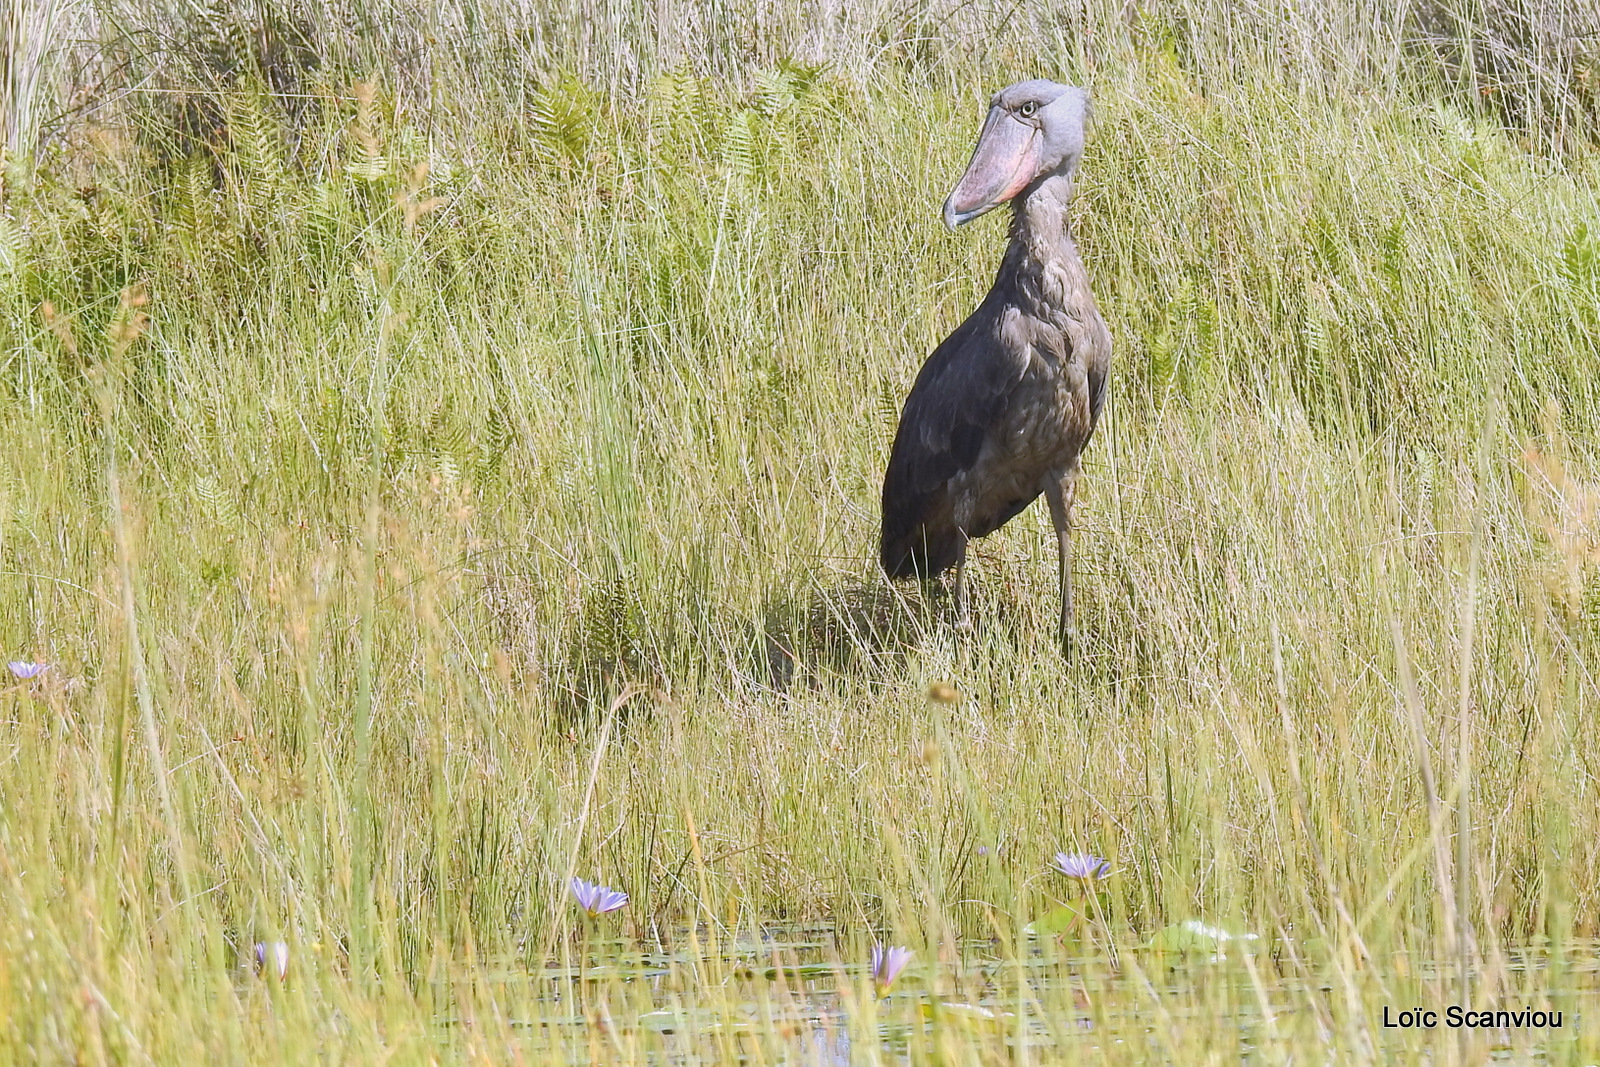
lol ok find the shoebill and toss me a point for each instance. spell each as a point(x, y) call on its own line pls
point(1002, 410)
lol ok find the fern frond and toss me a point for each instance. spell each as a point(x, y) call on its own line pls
point(1578, 258)
point(368, 161)
point(1314, 335)
point(1394, 251)
point(561, 116)
point(738, 146)
point(774, 90)
point(218, 503)
point(256, 160)
point(10, 246)
point(666, 92)
point(195, 207)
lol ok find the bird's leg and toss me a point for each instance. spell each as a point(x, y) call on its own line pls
point(963, 615)
point(1060, 492)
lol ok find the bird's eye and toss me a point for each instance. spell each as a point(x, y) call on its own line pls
point(1029, 108)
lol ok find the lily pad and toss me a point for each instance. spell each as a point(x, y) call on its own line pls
point(969, 1016)
point(800, 971)
point(664, 1022)
point(1062, 919)
point(1198, 937)
point(1317, 948)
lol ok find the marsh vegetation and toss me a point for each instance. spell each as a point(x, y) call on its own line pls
point(442, 447)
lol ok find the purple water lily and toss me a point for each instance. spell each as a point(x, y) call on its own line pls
point(887, 963)
point(1081, 865)
point(274, 952)
point(23, 669)
point(597, 899)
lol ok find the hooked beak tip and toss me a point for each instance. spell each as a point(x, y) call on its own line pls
point(954, 220)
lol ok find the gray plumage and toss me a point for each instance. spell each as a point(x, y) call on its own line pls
point(1001, 410)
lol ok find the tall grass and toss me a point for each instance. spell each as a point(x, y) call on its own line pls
point(1533, 64)
point(424, 484)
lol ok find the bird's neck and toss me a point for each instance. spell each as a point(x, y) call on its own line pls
point(1042, 261)
point(1039, 231)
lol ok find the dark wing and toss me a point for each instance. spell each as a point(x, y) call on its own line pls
point(960, 394)
point(1099, 382)
point(1099, 386)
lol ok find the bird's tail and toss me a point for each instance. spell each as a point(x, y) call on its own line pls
point(919, 552)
